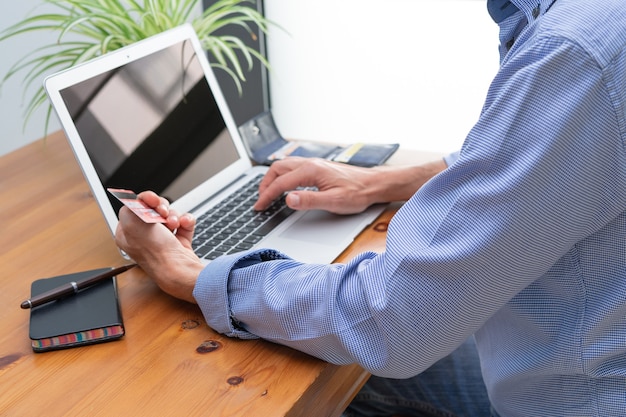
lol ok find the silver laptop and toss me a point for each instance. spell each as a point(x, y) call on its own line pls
point(151, 116)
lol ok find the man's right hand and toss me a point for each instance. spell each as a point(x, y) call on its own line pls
point(313, 183)
point(339, 188)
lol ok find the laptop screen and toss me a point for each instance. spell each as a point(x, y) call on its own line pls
point(152, 124)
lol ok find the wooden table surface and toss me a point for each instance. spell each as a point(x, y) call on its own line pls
point(169, 363)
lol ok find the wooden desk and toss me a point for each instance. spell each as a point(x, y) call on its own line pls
point(51, 226)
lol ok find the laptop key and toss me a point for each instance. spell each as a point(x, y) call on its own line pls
point(232, 225)
point(273, 222)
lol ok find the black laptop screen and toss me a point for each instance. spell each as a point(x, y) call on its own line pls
point(152, 124)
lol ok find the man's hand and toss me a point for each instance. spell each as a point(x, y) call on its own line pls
point(163, 251)
point(340, 188)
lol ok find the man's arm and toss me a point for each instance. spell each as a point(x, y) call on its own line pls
point(166, 255)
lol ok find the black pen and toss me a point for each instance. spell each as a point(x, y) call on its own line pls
point(72, 287)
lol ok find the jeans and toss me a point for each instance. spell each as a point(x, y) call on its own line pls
point(452, 387)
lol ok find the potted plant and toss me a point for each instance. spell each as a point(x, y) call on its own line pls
point(90, 28)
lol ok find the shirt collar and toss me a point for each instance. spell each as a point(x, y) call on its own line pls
point(532, 9)
point(514, 18)
point(500, 9)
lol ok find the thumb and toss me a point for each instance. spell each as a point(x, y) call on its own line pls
point(307, 200)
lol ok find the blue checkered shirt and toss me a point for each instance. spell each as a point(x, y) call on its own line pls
point(521, 241)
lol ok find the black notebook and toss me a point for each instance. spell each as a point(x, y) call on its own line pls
point(92, 315)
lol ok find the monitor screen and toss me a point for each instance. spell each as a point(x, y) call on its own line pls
point(152, 124)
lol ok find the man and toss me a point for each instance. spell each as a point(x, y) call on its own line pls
point(518, 239)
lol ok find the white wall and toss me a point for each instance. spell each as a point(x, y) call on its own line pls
point(408, 71)
point(12, 101)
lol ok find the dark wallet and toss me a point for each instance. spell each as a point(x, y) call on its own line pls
point(265, 145)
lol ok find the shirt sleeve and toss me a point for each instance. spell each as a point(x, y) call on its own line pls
point(531, 180)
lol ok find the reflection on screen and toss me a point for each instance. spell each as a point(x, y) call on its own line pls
point(152, 124)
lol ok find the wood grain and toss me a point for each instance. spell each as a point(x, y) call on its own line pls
point(170, 362)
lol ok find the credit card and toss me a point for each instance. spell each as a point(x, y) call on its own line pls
point(137, 206)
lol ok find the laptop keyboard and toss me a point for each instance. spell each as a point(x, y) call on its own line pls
point(233, 225)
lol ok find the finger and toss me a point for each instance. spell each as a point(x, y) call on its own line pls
point(266, 197)
point(155, 201)
point(150, 198)
point(278, 169)
point(173, 219)
point(120, 237)
point(333, 201)
point(291, 179)
point(186, 229)
point(128, 221)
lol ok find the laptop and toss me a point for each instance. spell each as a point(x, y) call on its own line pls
point(151, 116)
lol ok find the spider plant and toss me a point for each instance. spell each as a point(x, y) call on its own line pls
point(90, 28)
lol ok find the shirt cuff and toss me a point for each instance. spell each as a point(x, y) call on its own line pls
point(211, 290)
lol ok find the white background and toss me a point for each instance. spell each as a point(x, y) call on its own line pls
point(408, 71)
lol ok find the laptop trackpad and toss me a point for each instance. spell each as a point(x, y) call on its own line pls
point(321, 227)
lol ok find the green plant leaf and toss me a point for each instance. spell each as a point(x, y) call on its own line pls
point(105, 25)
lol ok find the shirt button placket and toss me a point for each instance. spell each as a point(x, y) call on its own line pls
point(536, 11)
